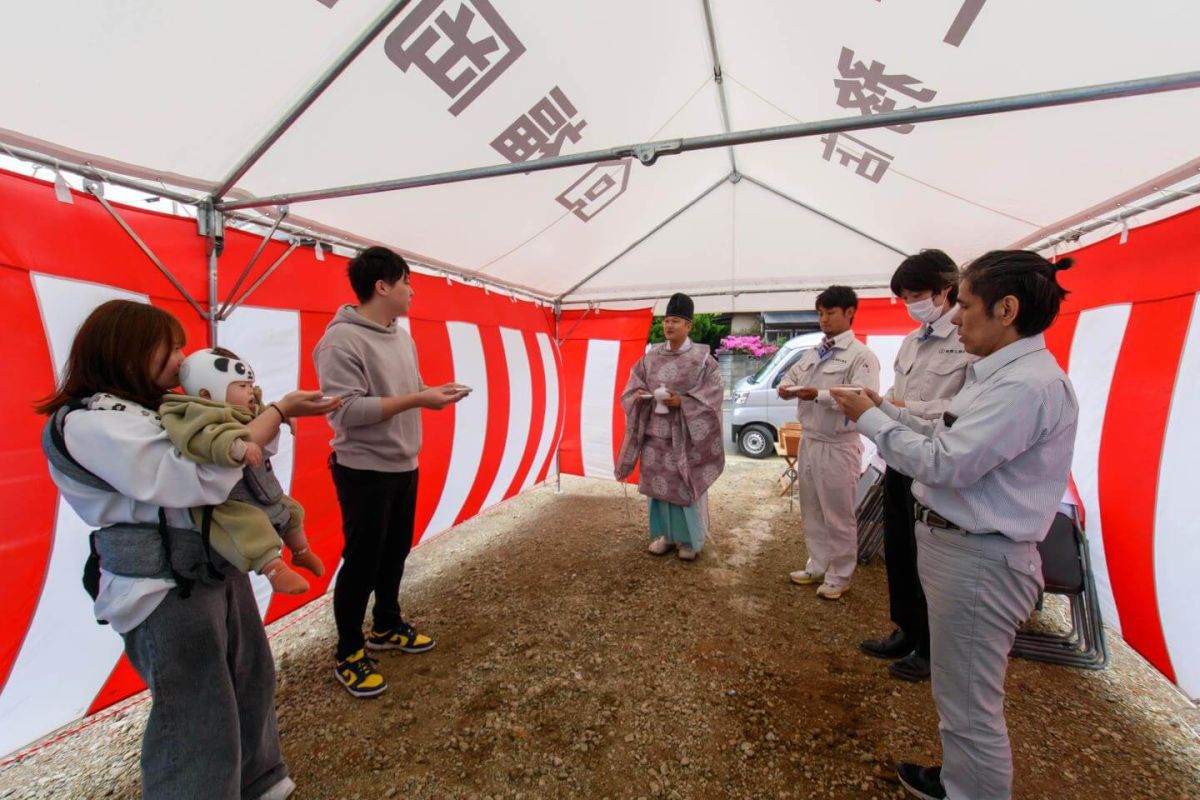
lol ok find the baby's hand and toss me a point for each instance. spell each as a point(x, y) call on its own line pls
point(254, 454)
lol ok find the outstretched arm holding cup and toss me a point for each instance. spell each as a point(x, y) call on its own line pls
point(370, 361)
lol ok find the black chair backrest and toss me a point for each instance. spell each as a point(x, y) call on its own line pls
point(1062, 567)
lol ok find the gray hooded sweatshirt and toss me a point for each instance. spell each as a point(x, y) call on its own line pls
point(363, 362)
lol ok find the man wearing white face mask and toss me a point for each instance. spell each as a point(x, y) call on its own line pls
point(930, 369)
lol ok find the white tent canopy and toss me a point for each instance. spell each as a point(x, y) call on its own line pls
point(182, 92)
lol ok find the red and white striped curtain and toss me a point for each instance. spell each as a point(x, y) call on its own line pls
point(1130, 339)
point(58, 262)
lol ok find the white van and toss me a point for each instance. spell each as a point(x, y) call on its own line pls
point(758, 411)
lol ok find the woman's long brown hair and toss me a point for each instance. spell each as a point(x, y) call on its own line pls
point(113, 351)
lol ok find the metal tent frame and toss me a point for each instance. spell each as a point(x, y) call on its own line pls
point(217, 208)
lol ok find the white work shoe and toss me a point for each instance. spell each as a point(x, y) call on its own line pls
point(828, 591)
point(280, 791)
point(686, 553)
point(659, 546)
point(805, 578)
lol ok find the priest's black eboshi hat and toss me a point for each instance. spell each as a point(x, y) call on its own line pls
point(680, 305)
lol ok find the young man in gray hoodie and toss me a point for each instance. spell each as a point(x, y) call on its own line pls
point(370, 362)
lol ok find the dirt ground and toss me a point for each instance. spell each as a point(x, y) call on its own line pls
point(572, 664)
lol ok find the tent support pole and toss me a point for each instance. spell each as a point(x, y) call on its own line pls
point(249, 266)
point(225, 314)
point(93, 189)
point(210, 223)
point(558, 445)
point(1144, 197)
point(213, 298)
point(300, 228)
point(649, 152)
point(89, 172)
point(316, 90)
point(719, 78)
point(650, 233)
point(824, 215)
point(1120, 215)
point(567, 335)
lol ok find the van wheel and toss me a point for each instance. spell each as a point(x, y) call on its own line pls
point(755, 441)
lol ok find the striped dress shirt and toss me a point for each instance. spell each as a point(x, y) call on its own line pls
point(999, 459)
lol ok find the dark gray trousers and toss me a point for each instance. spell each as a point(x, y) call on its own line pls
point(980, 588)
point(212, 731)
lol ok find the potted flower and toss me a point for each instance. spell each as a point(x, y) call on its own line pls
point(742, 354)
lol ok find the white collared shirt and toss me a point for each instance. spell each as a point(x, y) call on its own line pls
point(1003, 464)
point(930, 370)
point(849, 362)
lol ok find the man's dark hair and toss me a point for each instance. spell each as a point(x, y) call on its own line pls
point(1026, 276)
point(374, 264)
point(927, 271)
point(842, 297)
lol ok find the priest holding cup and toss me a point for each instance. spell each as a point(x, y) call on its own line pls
point(673, 430)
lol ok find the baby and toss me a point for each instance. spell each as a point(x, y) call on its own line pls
point(208, 425)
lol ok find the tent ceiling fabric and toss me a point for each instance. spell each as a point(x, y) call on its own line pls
point(455, 84)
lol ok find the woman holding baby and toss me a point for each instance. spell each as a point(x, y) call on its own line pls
point(189, 620)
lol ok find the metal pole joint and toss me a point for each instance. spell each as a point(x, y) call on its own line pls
point(648, 153)
point(210, 223)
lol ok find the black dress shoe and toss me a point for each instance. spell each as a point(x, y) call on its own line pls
point(921, 781)
point(910, 668)
point(896, 645)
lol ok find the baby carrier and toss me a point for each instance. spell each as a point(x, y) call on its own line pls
point(131, 549)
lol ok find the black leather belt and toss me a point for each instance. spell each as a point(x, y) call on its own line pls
point(932, 518)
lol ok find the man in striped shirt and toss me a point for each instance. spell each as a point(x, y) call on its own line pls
point(988, 478)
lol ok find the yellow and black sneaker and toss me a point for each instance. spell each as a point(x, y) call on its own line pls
point(402, 637)
point(360, 675)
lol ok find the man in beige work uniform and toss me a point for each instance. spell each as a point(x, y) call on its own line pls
point(830, 456)
point(930, 369)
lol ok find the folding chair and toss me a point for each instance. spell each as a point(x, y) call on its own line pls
point(869, 513)
point(1067, 570)
point(788, 448)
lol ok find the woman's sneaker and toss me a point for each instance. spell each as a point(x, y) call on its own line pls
point(402, 637)
point(360, 675)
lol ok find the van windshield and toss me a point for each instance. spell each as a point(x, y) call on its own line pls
point(766, 369)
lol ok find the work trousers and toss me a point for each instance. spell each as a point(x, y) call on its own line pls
point(980, 588)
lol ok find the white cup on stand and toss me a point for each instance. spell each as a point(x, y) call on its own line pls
point(661, 395)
